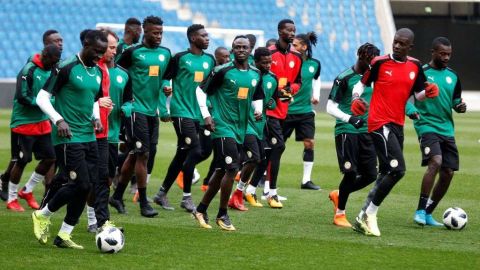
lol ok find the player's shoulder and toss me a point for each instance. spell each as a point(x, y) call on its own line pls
point(69, 62)
point(414, 60)
point(181, 54)
point(380, 59)
point(271, 74)
point(165, 49)
point(132, 48)
point(119, 69)
point(225, 67)
point(451, 71)
point(346, 74)
point(29, 67)
point(210, 56)
point(316, 61)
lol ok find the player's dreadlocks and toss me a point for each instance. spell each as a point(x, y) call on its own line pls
point(309, 39)
point(368, 50)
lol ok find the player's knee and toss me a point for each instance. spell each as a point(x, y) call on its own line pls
point(448, 173)
point(435, 163)
point(397, 174)
point(21, 163)
point(309, 144)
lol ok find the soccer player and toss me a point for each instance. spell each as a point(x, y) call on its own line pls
point(49, 37)
point(356, 155)
point(222, 56)
point(395, 78)
point(30, 128)
point(75, 84)
point(231, 89)
point(253, 40)
point(301, 115)
point(146, 64)
point(131, 35)
point(255, 144)
point(286, 65)
point(186, 70)
point(270, 42)
point(435, 130)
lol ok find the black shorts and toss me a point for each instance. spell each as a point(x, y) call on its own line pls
point(142, 132)
point(274, 133)
point(253, 149)
point(303, 124)
point(388, 142)
point(112, 159)
point(433, 144)
point(78, 162)
point(227, 153)
point(187, 132)
point(356, 153)
point(22, 147)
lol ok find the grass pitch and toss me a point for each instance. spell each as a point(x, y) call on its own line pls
point(299, 236)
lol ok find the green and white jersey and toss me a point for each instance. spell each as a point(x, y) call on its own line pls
point(341, 93)
point(121, 47)
point(231, 92)
point(436, 113)
point(269, 86)
point(187, 71)
point(29, 82)
point(120, 92)
point(146, 67)
point(75, 88)
point(302, 101)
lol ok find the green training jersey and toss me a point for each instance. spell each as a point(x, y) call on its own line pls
point(187, 71)
point(302, 101)
point(269, 86)
point(75, 88)
point(231, 91)
point(120, 92)
point(121, 47)
point(341, 93)
point(436, 113)
point(146, 67)
point(29, 82)
point(162, 102)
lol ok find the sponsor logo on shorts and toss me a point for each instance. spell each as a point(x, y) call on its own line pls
point(188, 140)
point(228, 160)
point(206, 132)
point(393, 163)
point(249, 154)
point(274, 140)
point(347, 165)
point(20, 154)
point(426, 150)
point(138, 144)
point(73, 175)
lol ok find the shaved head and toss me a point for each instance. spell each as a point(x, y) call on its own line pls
point(406, 33)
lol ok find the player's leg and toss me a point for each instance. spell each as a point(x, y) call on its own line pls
point(305, 131)
point(206, 150)
point(101, 187)
point(258, 173)
point(278, 147)
point(191, 134)
point(5, 176)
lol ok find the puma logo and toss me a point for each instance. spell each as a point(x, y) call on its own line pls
point(80, 78)
point(389, 72)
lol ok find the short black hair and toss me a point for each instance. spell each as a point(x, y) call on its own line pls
point(83, 34)
point(252, 38)
point(92, 36)
point(152, 20)
point(272, 40)
point(240, 36)
point(282, 23)
point(220, 48)
point(440, 41)
point(368, 49)
point(47, 33)
point(133, 21)
point(51, 51)
point(310, 39)
point(192, 29)
point(260, 52)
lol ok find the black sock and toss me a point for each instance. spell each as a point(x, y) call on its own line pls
point(431, 207)
point(221, 212)
point(422, 202)
point(202, 208)
point(119, 191)
point(142, 195)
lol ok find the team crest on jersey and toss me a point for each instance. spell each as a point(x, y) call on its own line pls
point(393, 163)
point(412, 75)
point(448, 79)
point(119, 79)
point(269, 85)
point(205, 65)
point(254, 82)
point(311, 69)
point(291, 64)
point(99, 80)
point(161, 57)
point(228, 160)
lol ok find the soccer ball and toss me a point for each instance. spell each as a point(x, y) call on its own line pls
point(455, 218)
point(110, 240)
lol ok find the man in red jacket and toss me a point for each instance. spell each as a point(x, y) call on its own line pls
point(286, 65)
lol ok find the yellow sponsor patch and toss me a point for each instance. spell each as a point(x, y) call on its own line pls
point(198, 77)
point(242, 93)
point(153, 71)
point(282, 82)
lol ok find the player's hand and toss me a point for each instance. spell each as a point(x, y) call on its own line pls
point(431, 90)
point(284, 94)
point(414, 116)
point(355, 121)
point(359, 106)
point(97, 125)
point(165, 118)
point(63, 129)
point(271, 104)
point(258, 116)
point(315, 101)
point(105, 102)
point(209, 123)
point(461, 107)
point(167, 90)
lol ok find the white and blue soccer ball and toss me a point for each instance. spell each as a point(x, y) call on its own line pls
point(455, 218)
point(110, 240)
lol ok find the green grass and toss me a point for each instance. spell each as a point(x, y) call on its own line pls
point(300, 236)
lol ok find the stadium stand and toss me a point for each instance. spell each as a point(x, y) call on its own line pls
point(342, 25)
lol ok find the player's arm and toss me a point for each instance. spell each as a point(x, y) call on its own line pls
point(336, 95)
point(411, 111)
point(423, 89)
point(170, 73)
point(127, 99)
point(272, 102)
point(24, 92)
point(54, 84)
point(99, 99)
point(208, 87)
point(125, 59)
point(257, 100)
point(297, 82)
point(458, 104)
point(163, 104)
point(316, 85)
